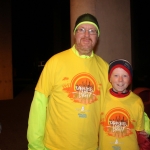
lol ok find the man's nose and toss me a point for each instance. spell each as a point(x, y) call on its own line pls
point(87, 33)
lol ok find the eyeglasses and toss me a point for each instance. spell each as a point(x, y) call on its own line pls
point(90, 31)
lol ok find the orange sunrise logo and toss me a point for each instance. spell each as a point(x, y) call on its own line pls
point(117, 123)
point(83, 89)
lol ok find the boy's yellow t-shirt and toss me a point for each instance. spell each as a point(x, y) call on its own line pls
point(120, 119)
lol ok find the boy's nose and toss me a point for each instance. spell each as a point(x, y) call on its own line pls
point(120, 78)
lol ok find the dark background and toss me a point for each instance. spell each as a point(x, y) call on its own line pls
point(37, 27)
point(140, 33)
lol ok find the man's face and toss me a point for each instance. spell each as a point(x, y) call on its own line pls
point(84, 41)
point(120, 80)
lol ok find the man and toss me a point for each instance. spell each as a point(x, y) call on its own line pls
point(65, 111)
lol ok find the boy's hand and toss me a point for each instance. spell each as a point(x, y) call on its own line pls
point(144, 133)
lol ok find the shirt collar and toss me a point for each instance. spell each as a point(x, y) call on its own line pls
point(119, 95)
point(82, 56)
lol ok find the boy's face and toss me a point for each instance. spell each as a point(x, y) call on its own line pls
point(120, 80)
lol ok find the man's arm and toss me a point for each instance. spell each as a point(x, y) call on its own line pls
point(36, 122)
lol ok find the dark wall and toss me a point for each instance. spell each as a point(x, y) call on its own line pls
point(39, 30)
point(140, 27)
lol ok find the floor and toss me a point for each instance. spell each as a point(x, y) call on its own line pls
point(14, 119)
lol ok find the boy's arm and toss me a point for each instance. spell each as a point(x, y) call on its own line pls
point(36, 122)
point(143, 141)
point(142, 136)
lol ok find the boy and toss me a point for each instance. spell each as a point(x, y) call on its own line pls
point(122, 117)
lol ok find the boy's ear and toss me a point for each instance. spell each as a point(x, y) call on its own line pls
point(110, 79)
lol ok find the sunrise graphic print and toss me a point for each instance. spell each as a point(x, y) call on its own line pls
point(117, 123)
point(83, 89)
